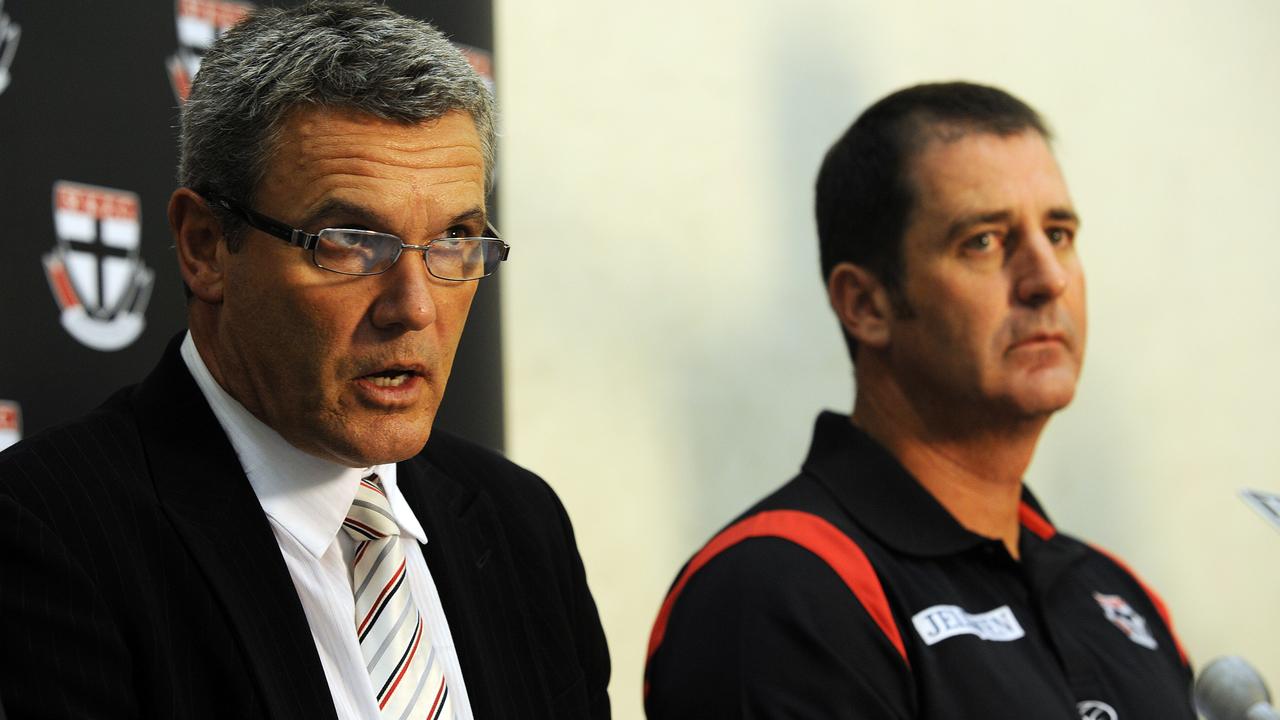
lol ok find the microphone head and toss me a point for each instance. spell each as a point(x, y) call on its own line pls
point(1228, 688)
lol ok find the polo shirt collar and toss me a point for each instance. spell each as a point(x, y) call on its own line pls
point(882, 496)
point(307, 496)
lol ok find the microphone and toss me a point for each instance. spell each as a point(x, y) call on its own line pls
point(1230, 689)
point(1265, 504)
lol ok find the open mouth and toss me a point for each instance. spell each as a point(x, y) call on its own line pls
point(391, 377)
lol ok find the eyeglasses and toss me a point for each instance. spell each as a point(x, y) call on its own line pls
point(364, 252)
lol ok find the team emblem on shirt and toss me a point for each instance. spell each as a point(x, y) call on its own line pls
point(200, 22)
point(1096, 710)
point(1123, 616)
point(95, 271)
point(9, 32)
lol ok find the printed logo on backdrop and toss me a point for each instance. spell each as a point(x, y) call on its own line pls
point(200, 22)
point(1096, 710)
point(9, 33)
point(481, 61)
point(95, 271)
point(941, 622)
point(1133, 625)
point(10, 423)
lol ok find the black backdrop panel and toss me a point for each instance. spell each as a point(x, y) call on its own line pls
point(89, 290)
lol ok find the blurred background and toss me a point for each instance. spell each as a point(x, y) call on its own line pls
point(667, 342)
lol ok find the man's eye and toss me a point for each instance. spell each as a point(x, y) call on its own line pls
point(984, 242)
point(1060, 236)
point(459, 231)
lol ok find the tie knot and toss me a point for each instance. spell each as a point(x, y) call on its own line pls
point(370, 515)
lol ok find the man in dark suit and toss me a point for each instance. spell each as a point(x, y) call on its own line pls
point(261, 528)
point(906, 572)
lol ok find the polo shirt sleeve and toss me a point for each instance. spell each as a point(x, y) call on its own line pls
point(767, 629)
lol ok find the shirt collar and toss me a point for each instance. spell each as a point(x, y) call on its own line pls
point(306, 495)
point(885, 499)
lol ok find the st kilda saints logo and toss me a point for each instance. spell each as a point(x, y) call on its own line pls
point(10, 423)
point(200, 22)
point(1124, 617)
point(481, 61)
point(95, 272)
point(9, 33)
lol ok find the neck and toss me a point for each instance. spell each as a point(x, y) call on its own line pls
point(973, 468)
point(202, 326)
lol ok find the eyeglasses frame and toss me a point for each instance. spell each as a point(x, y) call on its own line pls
point(309, 241)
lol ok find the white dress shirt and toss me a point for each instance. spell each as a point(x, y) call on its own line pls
point(306, 499)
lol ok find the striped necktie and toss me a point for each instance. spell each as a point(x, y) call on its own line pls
point(407, 676)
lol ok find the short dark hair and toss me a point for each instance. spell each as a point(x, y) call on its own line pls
point(864, 192)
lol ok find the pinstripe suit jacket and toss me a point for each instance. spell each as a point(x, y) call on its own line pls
point(139, 576)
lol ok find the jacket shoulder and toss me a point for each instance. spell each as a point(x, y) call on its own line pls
point(484, 470)
point(98, 454)
point(533, 533)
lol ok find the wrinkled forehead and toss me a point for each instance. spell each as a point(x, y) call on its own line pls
point(312, 139)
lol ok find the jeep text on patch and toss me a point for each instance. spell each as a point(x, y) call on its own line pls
point(940, 622)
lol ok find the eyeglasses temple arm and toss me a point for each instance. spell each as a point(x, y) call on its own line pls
point(293, 236)
point(492, 232)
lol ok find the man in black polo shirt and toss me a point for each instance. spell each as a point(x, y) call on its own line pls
point(906, 572)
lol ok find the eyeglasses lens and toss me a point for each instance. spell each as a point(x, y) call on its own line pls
point(459, 259)
point(357, 252)
point(362, 252)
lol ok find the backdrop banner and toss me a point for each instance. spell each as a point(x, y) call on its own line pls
point(89, 289)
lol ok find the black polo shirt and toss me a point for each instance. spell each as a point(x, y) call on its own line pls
point(851, 593)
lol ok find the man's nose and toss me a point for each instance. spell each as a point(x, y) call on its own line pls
point(1041, 270)
point(405, 299)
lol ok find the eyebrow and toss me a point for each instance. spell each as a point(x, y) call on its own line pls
point(958, 226)
point(364, 216)
point(963, 223)
point(1064, 214)
point(333, 207)
point(470, 215)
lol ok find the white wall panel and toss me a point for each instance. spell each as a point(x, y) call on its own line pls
point(667, 336)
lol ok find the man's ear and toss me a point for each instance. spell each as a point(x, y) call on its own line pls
point(862, 303)
point(197, 235)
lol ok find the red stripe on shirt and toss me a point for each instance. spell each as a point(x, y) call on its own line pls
point(1035, 522)
point(810, 532)
point(1156, 600)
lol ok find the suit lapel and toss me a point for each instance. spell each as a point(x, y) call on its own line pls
point(470, 564)
point(204, 491)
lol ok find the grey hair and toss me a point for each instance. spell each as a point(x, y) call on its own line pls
point(350, 54)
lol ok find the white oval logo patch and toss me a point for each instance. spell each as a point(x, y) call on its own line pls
point(1096, 710)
